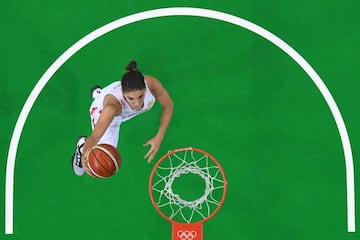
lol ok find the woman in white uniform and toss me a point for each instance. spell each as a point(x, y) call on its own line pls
point(118, 102)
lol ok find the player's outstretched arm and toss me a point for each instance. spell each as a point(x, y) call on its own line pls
point(112, 108)
point(165, 101)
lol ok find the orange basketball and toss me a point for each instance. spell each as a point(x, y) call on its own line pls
point(104, 160)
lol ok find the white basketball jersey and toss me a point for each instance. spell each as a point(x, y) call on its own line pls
point(127, 112)
point(115, 89)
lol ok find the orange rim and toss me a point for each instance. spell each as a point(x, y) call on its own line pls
point(180, 150)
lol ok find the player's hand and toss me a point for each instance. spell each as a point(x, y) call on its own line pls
point(84, 163)
point(155, 145)
point(89, 143)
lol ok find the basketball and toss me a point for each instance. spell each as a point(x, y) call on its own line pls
point(103, 160)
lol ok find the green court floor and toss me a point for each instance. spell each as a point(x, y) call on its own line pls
point(236, 96)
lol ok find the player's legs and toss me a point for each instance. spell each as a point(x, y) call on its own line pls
point(76, 158)
point(111, 135)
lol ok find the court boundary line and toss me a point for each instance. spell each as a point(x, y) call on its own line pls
point(179, 11)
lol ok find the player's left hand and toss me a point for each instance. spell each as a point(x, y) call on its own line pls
point(155, 145)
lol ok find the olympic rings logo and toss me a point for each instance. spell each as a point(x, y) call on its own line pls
point(186, 235)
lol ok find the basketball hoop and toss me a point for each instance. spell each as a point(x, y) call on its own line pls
point(187, 215)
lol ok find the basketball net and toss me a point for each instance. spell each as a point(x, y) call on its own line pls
point(187, 216)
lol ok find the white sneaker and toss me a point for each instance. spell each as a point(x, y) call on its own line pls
point(95, 91)
point(76, 158)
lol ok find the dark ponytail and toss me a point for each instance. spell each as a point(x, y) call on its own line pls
point(132, 67)
point(133, 79)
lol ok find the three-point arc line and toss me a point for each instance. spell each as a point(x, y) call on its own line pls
point(179, 11)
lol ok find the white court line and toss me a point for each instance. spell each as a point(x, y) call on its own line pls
point(178, 11)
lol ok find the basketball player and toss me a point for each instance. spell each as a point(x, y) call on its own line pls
point(118, 102)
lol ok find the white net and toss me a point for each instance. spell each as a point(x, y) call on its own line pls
point(180, 175)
